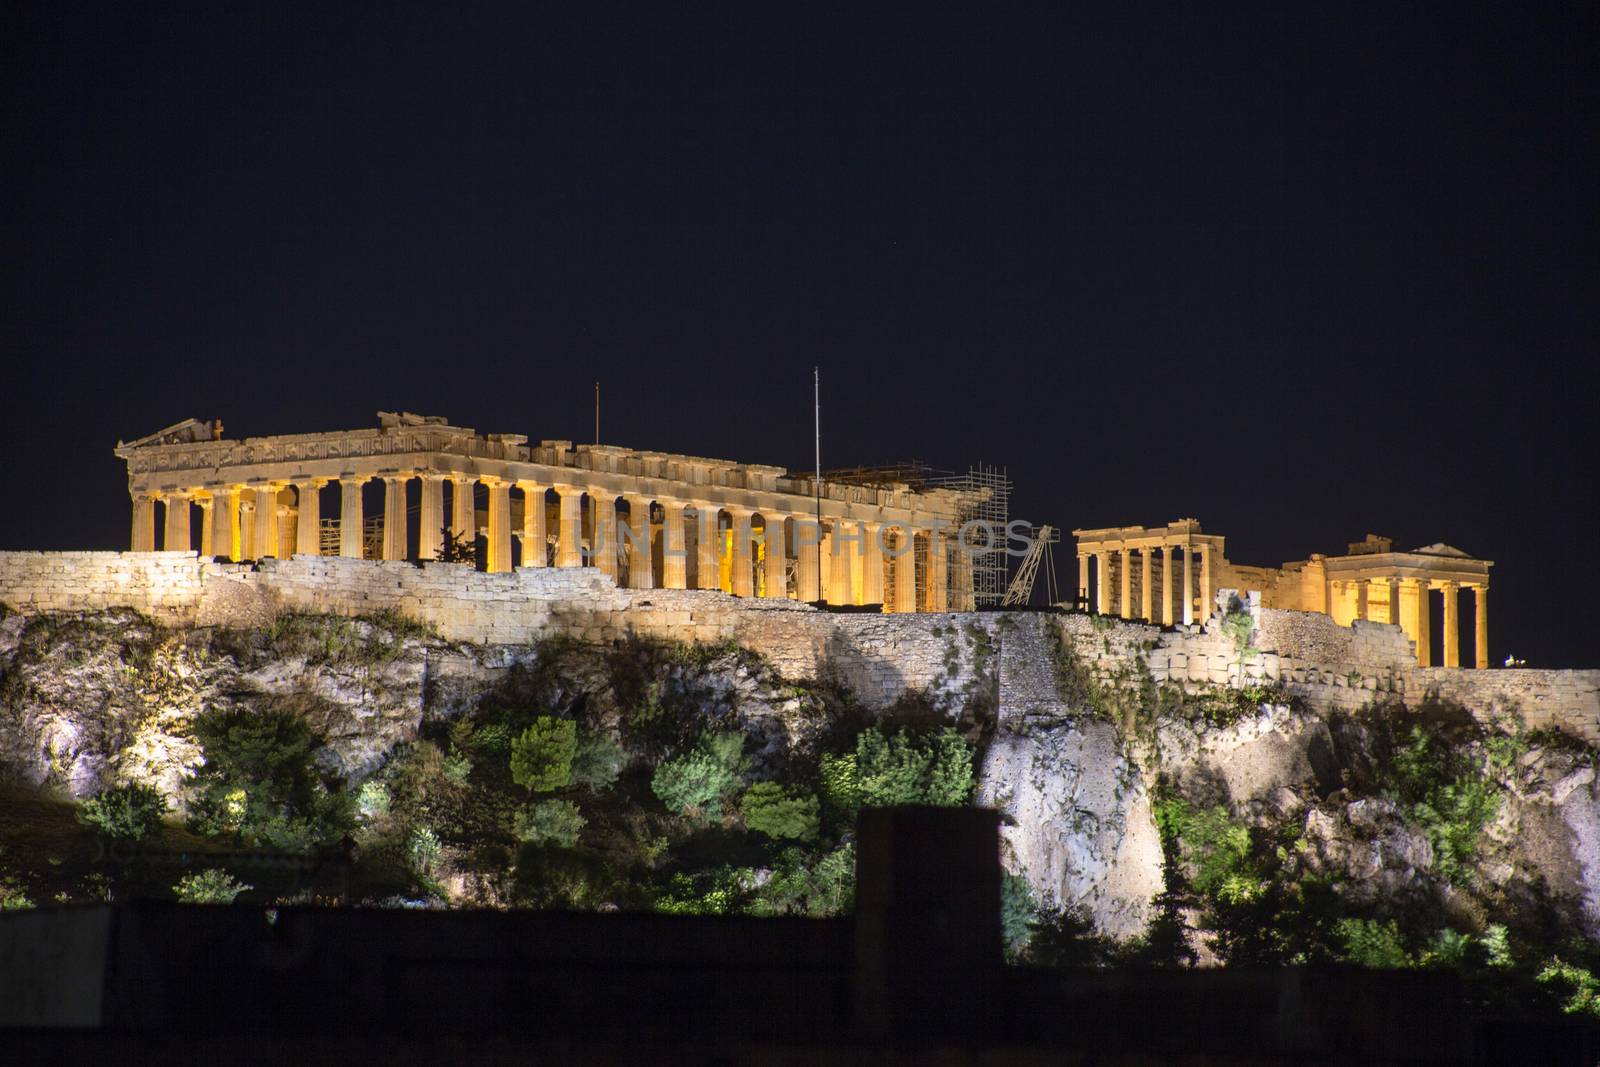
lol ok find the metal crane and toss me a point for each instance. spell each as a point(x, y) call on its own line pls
point(1021, 589)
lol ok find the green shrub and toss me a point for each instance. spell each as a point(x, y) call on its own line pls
point(1066, 938)
point(819, 888)
point(457, 767)
point(372, 800)
point(1374, 944)
point(1215, 846)
point(210, 886)
point(423, 851)
point(541, 758)
point(899, 769)
point(551, 877)
point(124, 811)
point(700, 778)
point(710, 893)
point(1018, 912)
point(550, 822)
point(1449, 794)
point(259, 782)
point(1578, 984)
point(768, 809)
point(597, 763)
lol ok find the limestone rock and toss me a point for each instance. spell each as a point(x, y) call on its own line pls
point(1078, 823)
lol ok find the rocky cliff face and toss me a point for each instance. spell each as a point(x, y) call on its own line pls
point(1080, 770)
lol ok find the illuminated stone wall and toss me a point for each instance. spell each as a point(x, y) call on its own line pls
point(952, 657)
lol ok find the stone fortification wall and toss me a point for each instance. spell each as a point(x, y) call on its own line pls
point(164, 585)
point(1568, 700)
point(950, 657)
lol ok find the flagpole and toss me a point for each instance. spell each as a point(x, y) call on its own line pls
point(816, 397)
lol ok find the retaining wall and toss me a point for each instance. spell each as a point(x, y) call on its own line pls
point(949, 656)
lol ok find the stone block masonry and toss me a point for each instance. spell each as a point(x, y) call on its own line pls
point(948, 656)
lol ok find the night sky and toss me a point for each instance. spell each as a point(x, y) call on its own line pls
point(1303, 277)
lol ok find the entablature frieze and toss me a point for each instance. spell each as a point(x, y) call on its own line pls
point(906, 508)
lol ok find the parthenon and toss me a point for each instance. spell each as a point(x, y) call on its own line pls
point(648, 519)
point(1370, 581)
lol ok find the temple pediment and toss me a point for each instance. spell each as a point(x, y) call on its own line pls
point(1439, 548)
point(187, 432)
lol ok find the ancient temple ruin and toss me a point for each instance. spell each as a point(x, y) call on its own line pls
point(1371, 581)
point(647, 519)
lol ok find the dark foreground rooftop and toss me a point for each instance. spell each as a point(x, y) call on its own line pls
point(916, 974)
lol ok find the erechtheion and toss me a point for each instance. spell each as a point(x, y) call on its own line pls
point(1371, 581)
point(648, 519)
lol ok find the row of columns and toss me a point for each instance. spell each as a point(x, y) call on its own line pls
point(845, 565)
point(1123, 560)
point(1405, 604)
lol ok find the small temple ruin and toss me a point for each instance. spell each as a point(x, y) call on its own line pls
point(1371, 581)
point(647, 519)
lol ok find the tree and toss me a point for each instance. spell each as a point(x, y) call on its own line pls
point(541, 758)
point(703, 776)
point(900, 769)
point(259, 782)
point(767, 808)
point(456, 548)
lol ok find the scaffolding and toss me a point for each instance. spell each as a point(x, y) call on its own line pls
point(985, 495)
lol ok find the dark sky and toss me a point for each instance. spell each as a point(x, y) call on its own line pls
point(1300, 276)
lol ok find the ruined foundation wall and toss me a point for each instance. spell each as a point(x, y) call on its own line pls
point(879, 657)
point(164, 585)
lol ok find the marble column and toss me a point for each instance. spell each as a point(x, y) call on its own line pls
point(1083, 580)
point(208, 532)
point(176, 536)
point(265, 543)
point(1188, 585)
point(905, 571)
point(742, 578)
point(535, 519)
point(1423, 635)
point(604, 552)
point(569, 527)
point(1208, 589)
point(247, 524)
point(225, 522)
point(872, 564)
point(287, 524)
point(674, 546)
point(775, 563)
point(352, 538)
point(842, 561)
point(1362, 610)
point(641, 564)
point(498, 560)
point(1125, 602)
point(1392, 588)
point(1480, 643)
point(463, 510)
point(1452, 625)
point(1147, 585)
point(308, 527)
point(394, 516)
point(825, 565)
point(708, 555)
point(144, 523)
point(1102, 585)
point(1166, 585)
point(938, 572)
point(430, 520)
point(808, 559)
